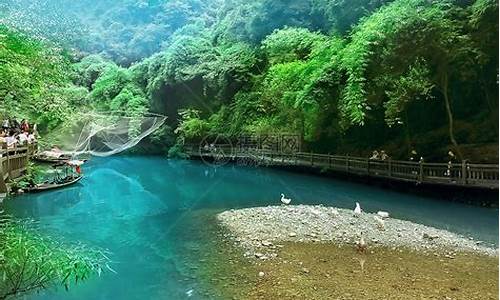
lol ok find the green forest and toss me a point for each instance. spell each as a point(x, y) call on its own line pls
point(396, 75)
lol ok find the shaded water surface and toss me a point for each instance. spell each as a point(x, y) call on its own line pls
point(143, 208)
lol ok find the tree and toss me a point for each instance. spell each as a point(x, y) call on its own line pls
point(483, 22)
point(364, 49)
point(342, 15)
point(33, 76)
point(289, 44)
point(409, 47)
point(191, 126)
point(109, 85)
point(89, 69)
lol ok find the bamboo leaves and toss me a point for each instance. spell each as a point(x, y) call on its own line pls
point(32, 262)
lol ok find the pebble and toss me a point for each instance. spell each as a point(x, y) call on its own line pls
point(266, 243)
point(261, 274)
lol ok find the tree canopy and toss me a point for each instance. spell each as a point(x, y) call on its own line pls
point(347, 76)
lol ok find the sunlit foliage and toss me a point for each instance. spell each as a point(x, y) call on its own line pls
point(30, 262)
point(33, 79)
point(345, 75)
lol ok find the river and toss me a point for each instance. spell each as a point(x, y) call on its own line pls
point(137, 206)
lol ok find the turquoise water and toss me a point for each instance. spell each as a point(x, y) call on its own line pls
point(140, 208)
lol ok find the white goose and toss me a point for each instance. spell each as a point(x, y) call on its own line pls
point(357, 210)
point(383, 214)
point(361, 244)
point(284, 200)
point(380, 222)
point(335, 212)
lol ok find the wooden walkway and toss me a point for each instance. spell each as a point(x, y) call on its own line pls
point(457, 174)
point(13, 162)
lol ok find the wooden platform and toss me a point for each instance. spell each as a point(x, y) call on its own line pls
point(13, 162)
point(457, 174)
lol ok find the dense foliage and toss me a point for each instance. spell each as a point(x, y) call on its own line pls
point(30, 262)
point(33, 79)
point(347, 76)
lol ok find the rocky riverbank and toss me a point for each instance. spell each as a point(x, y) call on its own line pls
point(262, 230)
point(316, 269)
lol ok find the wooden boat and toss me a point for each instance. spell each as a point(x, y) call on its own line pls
point(50, 186)
point(48, 159)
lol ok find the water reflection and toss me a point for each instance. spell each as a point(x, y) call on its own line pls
point(46, 203)
point(362, 264)
point(123, 196)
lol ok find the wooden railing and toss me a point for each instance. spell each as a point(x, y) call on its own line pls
point(13, 162)
point(459, 174)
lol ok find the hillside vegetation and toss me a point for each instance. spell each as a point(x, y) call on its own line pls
point(347, 76)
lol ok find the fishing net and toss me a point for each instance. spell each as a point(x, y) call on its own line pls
point(103, 134)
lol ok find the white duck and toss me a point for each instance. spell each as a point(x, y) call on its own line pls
point(380, 222)
point(361, 244)
point(284, 200)
point(357, 210)
point(335, 212)
point(383, 214)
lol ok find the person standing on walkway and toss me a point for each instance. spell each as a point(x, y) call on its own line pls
point(375, 155)
point(25, 127)
point(451, 159)
point(383, 155)
point(5, 124)
point(14, 125)
point(413, 155)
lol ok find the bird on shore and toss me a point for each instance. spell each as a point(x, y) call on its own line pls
point(383, 214)
point(380, 222)
point(335, 212)
point(361, 244)
point(357, 210)
point(284, 200)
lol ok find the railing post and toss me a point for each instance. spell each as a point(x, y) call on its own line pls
point(8, 162)
point(312, 162)
point(347, 162)
point(390, 167)
point(3, 186)
point(329, 160)
point(421, 171)
point(464, 172)
point(368, 166)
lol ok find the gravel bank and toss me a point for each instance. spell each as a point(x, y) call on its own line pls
point(260, 230)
